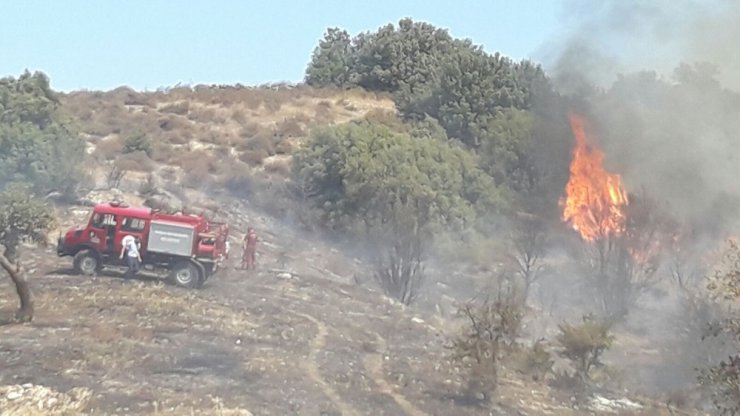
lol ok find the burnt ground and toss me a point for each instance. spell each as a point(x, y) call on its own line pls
point(299, 336)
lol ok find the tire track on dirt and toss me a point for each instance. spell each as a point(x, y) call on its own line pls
point(373, 363)
point(312, 369)
point(281, 292)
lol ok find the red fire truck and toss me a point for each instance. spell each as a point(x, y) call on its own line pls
point(187, 247)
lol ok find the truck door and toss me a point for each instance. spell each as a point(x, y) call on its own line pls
point(102, 232)
point(132, 226)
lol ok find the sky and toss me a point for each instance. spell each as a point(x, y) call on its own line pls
point(151, 44)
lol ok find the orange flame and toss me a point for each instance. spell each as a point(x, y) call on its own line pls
point(594, 198)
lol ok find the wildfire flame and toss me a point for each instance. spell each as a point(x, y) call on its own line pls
point(594, 199)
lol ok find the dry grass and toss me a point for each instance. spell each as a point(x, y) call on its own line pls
point(180, 108)
point(280, 167)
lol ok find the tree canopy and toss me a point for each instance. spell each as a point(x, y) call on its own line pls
point(363, 172)
point(429, 73)
point(36, 145)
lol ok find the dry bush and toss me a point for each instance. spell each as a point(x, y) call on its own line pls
point(114, 176)
point(168, 173)
point(536, 361)
point(290, 128)
point(252, 99)
point(163, 152)
point(584, 344)
point(272, 102)
point(323, 113)
point(263, 141)
point(239, 116)
point(198, 180)
point(179, 108)
point(109, 119)
point(250, 130)
point(109, 148)
point(253, 157)
point(197, 162)
point(279, 167)
point(227, 139)
point(285, 147)
point(387, 118)
point(178, 93)
point(173, 123)
point(241, 182)
point(205, 114)
point(137, 161)
point(492, 329)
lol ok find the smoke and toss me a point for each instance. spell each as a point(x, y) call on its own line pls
point(662, 81)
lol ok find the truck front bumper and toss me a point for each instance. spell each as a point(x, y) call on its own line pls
point(61, 249)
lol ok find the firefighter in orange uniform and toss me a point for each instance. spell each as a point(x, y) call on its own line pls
point(250, 249)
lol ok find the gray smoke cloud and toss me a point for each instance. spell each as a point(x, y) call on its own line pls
point(661, 80)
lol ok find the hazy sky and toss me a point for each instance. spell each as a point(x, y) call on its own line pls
point(147, 44)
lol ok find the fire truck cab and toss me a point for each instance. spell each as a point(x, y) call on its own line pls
point(187, 247)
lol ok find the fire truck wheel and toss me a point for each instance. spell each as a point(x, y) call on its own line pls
point(185, 274)
point(86, 262)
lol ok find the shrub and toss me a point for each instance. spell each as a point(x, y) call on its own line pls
point(136, 161)
point(180, 108)
point(280, 167)
point(584, 344)
point(197, 162)
point(537, 361)
point(239, 116)
point(250, 130)
point(323, 114)
point(173, 123)
point(108, 149)
point(261, 142)
point(241, 183)
point(284, 147)
point(137, 143)
point(290, 128)
point(253, 157)
point(493, 326)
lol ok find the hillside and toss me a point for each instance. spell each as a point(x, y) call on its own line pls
point(308, 333)
point(213, 133)
point(296, 337)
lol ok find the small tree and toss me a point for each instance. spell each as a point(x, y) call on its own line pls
point(21, 217)
point(620, 268)
point(493, 328)
point(584, 344)
point(399, 265)
point(527, 250)
point(393, 190)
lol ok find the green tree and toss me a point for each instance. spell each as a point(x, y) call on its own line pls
point(332, 62)
point(471, 89)
point(22, 217)
point(36, 145)
point(507, 150)
point(401, 59)
point(393, 189)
